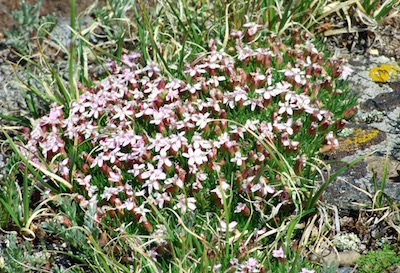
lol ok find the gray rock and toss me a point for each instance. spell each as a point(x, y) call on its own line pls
point(345, 269)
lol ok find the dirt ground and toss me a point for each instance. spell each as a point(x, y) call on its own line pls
point(59, 7)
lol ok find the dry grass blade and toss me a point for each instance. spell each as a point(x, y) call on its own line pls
point(51, 175)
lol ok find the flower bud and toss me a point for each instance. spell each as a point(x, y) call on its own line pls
point(339, 124)
point(349, 113)
point(312, 130)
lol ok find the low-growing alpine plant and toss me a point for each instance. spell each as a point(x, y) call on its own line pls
point(234, 139)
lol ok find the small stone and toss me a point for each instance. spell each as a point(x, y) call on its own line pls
point(347, 258)
point(374, 52)
point(345, 269)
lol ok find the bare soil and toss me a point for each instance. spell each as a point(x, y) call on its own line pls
point(61, 8)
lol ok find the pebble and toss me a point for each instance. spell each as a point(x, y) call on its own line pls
point(346, 258)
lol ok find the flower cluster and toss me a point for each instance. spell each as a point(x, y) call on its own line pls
point(146, 141)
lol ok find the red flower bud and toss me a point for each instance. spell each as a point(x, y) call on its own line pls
point(245, 211)
point(147, 226)
point(339, 124)
point(312, 130)
point(349, 113)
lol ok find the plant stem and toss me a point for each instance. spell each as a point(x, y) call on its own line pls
point(72, 49)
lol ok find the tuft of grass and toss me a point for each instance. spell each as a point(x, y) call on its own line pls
point(32, 28)
point(20, 257)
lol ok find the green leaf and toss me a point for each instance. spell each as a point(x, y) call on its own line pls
point(12, 213)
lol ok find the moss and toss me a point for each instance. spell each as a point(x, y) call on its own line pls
point(385, 260)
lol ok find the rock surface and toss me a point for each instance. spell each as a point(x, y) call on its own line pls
point(346, 259)
point(374, 131)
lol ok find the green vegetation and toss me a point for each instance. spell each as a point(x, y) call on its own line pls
point(384, 260)
point(32, 28)
point(196, 149)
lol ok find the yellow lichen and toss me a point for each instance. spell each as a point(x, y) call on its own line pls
point(359, 137)
point(384, 73)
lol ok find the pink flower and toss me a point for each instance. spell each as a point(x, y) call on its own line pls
point(157, 143)
point(193, 89)
point(255, 102)
point(239, 94)
point(84, 182)
point(212, 103)
point(244, 53)
point(237, 34)
point(163, 159)
point(136, 169)
point(152, 69)
point(129, 204)
point(251, 125)
point(252, 28)
point(63, 167)
point(122, 113)
point(185, 203)
point(217, 191)
point(331, 140)
point(284, 127)
point(223, 226)
point(110, 191)
point(52, 142)
point(176, 141)
point(251, 266)
point(214, 80)
point(175, 180)
point(195, 71)
point(263, 188)
point(161, 198)
point(114, 177)
point(153, 174)
point(278, 253)
point(346, 72)
point(240, 207)
point(281, 87)
point(238, 130)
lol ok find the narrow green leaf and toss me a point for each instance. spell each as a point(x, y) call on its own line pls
point(25, 196)
point(20, 120)
point(12, 213)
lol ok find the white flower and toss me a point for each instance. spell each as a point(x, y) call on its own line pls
point(305, 270)
point(239, 159)
point(142, 212)
point(196, 156)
